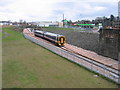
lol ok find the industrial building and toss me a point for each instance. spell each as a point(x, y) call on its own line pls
point(48, 24)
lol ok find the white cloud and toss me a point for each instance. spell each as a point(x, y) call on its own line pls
point(25, 9)
point(76, 10)
point(38, 10)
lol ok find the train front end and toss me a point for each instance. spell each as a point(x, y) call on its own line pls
point(61, 41)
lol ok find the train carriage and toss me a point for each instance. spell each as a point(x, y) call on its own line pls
point(55, 38)
point(39, 33)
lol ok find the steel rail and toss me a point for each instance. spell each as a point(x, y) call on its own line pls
point(106, 67)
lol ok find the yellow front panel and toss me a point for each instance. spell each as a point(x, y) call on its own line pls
point(61, 40)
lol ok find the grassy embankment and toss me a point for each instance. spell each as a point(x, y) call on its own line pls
point(28, 65)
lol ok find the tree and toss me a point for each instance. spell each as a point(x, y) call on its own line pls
point(70, 22)
point(112, 17)
point(118, 18)
point(21, 21)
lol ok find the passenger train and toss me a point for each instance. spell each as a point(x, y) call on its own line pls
point(57, 39)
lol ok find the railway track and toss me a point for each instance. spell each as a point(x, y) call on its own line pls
point(101, 65)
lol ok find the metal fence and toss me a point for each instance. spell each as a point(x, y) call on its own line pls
point(87, 63)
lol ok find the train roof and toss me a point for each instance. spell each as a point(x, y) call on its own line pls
point(52, 34)
point(39, 31)
point(48, 33)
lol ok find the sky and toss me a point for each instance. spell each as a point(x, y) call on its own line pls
point(53, 10)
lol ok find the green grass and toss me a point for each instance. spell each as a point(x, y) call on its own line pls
point(28, 65)
point(11, 35)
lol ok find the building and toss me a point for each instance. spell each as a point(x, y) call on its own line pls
point(116, 24)
point(60, 24)
point(119, 8)
point(47, 24)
